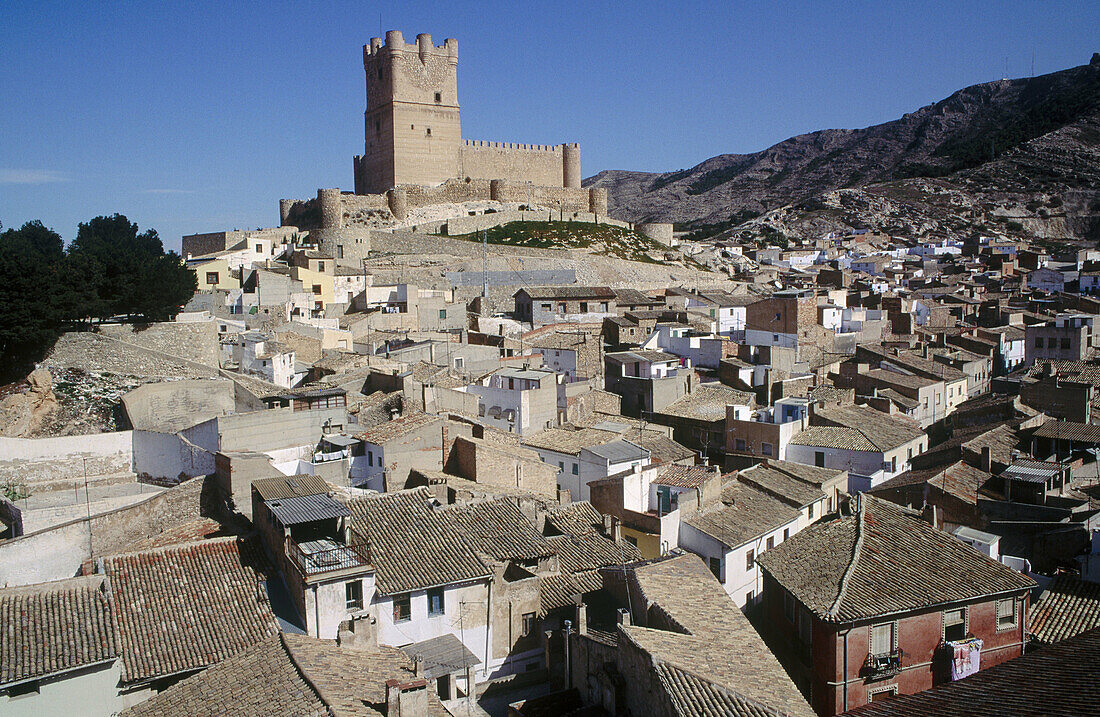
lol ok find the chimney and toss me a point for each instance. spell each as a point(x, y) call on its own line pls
point(357, 634)
point(582, 619)
point(444, 436)
point(622, 617)
point(418, 665)
point(987, 459)
point(608, 525)
point(616, 530)
point(406, 699)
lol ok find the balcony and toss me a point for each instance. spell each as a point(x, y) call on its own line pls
point(886, 664)
point(326, 555)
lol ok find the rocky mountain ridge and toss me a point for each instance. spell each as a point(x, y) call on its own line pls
point(1008, 156)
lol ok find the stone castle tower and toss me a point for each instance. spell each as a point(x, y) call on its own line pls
point(413, 131)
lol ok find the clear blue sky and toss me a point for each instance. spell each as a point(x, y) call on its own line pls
point(191, 117)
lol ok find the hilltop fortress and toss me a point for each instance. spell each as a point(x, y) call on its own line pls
point(413, 129)
point(414, 155)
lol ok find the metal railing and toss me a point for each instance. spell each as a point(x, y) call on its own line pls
point(341, 556)
point(883, 665)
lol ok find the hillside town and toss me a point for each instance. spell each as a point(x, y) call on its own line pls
point(460, 441)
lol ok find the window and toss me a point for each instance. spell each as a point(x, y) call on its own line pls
point(750, 559)
point(576, 469)
point(810, 511)
point(561, 308)
point(1038, 342)
point(766, 449)
point(370, 458)
point(1006, 613)
point(547, 307)
point(339, 251)
point(429, 131)
point(631, 539)
point(603, 306)
point(910, 454)
point(316, 288)
point(353, 595)
point(883, 693)
point(954, 624)
point(584, 307)
point(819, 459)
point(211, 277)
point(770, 543)
point(786, 533)
point(435, 602)
point(438, 97)
point(1065, 344)
point(511, 384)
point(716, 567)
point(402, 608)
point(459, 362)
point(442, 313)
point(739, 444)
point(528, 623)
point(320, 266)
point(561, 466)
point(788, 606)
point(882, 639)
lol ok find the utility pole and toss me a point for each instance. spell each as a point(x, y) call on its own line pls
point(484, 266)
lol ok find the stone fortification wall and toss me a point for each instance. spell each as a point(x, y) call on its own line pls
point(536, 163)
point(659, 232)
point(408, 242)
point(488, 220)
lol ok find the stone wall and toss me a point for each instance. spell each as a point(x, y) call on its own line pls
point(58, 553)
point(536, 163)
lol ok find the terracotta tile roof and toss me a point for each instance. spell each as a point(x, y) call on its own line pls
point(1001, 441)
point(561, 440)
point(575, 519)
point(55, 627)
point(694, 695)
point(662, 449)
point(397, 428)
point(782, 485)
point(1069, 430)
point(1065, 608)
point(185, 607)
point(569, 292)
point(744, 513)
point(678, 476)
point(1062, 680)
point(410, 546)
point(883, 431)
point(416, 543)
point(810, 474)
point(961, 480)
point(289, 674)
point(882, 560)
point(834, 437)
point(708, 403)
point(591, 551)
point(717, 647)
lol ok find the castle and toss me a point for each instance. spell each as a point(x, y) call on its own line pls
point(413, 129)
point(414, 156)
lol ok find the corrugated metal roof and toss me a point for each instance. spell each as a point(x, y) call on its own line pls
point(619, 451)
point(306, 509)
point(289, 486)
point(443, 655)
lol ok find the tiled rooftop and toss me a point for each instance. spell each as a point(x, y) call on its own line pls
point(55, 627)
point(185, 607)
point(744, 513)
point(1066, 607)
point(882, 559)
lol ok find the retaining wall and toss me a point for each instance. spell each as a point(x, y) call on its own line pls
point(26, 460)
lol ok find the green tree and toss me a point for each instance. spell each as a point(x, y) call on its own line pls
point(29, 261)
point(128, 271)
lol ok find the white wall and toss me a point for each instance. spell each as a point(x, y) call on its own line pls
point(468, 622)
point(65, 456)
point(167, 455)
point(90, 691)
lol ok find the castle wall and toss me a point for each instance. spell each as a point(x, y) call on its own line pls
point(539, 164)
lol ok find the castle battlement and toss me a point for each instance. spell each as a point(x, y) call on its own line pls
point(395, 42)
point(412, 127)
point(559, 148)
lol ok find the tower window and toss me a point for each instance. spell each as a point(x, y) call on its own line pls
point(438, 97)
